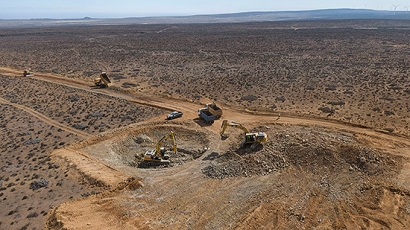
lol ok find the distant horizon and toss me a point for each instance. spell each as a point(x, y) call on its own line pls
point(164, 16)
point(75, 9)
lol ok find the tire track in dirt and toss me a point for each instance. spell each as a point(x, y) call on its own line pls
point(395, 145)
point(142, 99)
point(47, 119)
point(254, 117)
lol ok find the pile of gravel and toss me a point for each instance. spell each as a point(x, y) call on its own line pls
point(313, 149)
point(259, 163)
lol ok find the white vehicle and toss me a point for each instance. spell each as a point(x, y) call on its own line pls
point(174, 115)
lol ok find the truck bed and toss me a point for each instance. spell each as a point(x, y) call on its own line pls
point(206, 115)
point(214, 109)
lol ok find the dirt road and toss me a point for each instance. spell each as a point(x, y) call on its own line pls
point(189, 109)
point(332, 195)
point(47, 119)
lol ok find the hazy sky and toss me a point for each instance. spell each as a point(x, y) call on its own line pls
point(61, 9)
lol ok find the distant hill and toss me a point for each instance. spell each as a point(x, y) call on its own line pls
point(325, 14)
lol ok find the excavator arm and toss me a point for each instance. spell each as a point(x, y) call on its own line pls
point(226, 123)
point(250, 138)
point(171, 136)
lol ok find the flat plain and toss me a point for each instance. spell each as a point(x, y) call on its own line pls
point(333, 97)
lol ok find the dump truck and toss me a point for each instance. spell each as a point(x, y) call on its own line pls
point(214, 109)
point(102, 81)
point(159, 156)
point(253, 139)
point(206, 115)
point(28, 73)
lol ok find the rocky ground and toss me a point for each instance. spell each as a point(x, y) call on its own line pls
point(191, 144)
point(91, 112)
point(300, 147)
point(337, 157)
point(353, 71)
point(303, 177)
point(30, 182)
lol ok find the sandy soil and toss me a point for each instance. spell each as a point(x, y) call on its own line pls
point(336, 157)
point(353, 71)
point(303, 177)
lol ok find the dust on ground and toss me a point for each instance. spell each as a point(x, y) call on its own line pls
point(303, 177)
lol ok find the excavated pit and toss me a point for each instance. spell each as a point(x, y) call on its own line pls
point(191, 144)
point(310, 175)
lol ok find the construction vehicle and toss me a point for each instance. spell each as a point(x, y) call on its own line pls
point(102, 81)
point(28, 73)
point(214, 109)
point(210, 113)
point(250, 138)
point(158, 156)
point(207, 116)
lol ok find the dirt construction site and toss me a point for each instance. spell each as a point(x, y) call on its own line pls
point(337, 154)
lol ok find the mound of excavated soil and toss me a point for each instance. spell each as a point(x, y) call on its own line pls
point(317, 178)
point(310, 149)
point(304, 177)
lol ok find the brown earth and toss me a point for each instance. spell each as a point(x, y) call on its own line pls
point(337, 156)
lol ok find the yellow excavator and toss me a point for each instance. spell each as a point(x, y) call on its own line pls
point(158, 156)
point(250, 138)
point(102, 81)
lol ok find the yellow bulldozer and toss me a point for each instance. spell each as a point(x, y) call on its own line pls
point(158, 156)
point(253, 139)
point(102, 81)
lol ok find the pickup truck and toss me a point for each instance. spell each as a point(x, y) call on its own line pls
point(207, 116)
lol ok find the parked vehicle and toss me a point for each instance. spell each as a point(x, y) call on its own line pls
point(174, 115)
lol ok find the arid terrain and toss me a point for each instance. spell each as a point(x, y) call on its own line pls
point(332, 96)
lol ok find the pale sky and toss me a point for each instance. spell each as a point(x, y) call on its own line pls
point(68, 9)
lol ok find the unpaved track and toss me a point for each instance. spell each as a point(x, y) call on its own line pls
point(47, 119)
point(248, 117)
point(172, 191)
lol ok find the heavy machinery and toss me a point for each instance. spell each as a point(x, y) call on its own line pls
point(102, 81)
point(214, 109)
point(250, 138)
point(158, 156)
point(210, 113)
point(28, 73)
point(207, 116)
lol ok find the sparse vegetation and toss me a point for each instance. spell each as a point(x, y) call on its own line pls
point(359, 78)
point(326, 109)
point(38, 184)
